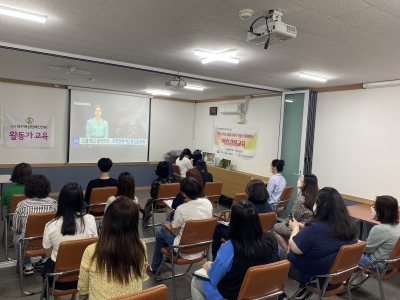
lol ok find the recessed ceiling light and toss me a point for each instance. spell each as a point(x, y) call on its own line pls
point(313, 77)
point(22, 14)
point(288, 100)
point(228, 56)
point(163, 93)
point(191, 87)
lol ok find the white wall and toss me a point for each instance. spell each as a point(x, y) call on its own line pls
point(357, 142)
point(263, 112)
point(171, 123)
point(26, 98)
point(171, 127)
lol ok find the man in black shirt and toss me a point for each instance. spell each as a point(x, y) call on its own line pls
point(104, 165)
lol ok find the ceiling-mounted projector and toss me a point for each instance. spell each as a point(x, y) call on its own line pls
point(176, 82)
point(273, 31)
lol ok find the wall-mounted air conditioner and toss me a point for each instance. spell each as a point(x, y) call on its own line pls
point(231, 108)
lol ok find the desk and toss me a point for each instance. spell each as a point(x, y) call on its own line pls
point(361, 213)
point(3, 179)
point(233, 181)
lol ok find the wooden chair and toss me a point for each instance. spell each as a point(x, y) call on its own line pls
point(284, 199)
point(176, 170)
point(15, 199)
point(196, 237)
point(67, 266)
point(158, 292)
point(98, 200)
point(267, 220)
point(339, 275)
point(166, 191)
point(33, 240)
point(265, 281)
point(226, 215)
point(212, 191)
point(390, 270)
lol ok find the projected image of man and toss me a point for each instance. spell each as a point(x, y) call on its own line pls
point(97, 127)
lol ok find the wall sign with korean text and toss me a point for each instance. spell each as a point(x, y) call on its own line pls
point(28, 129)
point(236, 141)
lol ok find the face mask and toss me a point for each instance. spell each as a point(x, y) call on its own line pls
point(299, 184)
point(314, 209)
point(270, 169)
point(373, 211)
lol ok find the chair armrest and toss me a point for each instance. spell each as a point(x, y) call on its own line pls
point(96, 204)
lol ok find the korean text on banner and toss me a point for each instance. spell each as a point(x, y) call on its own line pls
point(28, 129)
point(236, 141)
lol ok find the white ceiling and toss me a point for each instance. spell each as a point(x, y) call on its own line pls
point(347, 41)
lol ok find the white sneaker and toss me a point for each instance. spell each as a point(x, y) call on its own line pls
point(360, 279)
point(40, 263)
point(28, 269)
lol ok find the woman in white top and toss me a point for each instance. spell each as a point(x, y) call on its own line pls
point(69, 224)
point(125, 187)
point(185, 162)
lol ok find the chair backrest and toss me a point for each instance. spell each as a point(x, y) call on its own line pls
point(176, 170)
point(15, 199)
point(284, 199)
point(347, 258)
point(238, 197)
point(264, 280)
point(212, 190)
point(35, 227)
point(395, 255)
point(101, 195)
point(196, 231)
point(267, 220)
point(158, 292)
point(69, 257)
point(168, 190)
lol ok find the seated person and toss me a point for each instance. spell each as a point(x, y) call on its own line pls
point(180, 198)
point(125, 187)
point(313, 249)
point(258, 195)
point(201, 166)
point(70, 223)
point(37, 190)
point(195, 209)
point(277, 183)
point(248, 246)
point(116, 264)
point(382, 237)
point(104, 165)
point(20, 175)
point(185, 161)
point(302, 209)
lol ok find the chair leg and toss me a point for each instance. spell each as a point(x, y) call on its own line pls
point(44, 288)
point(295, 294)
point(349, 290)
point(21, 274)
point(381, 287)
point(152, 218)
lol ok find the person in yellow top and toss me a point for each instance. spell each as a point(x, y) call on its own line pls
point(116, 264)
point(97, 127)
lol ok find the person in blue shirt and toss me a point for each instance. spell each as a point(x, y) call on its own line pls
point(97, 127)
point(258, 195)
point(277, 183)
point(248, 246)
point(313, 249)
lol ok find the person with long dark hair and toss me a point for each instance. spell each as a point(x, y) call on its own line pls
point(201, 166)
point(185, 161)
point(20, 175)
point(277, 183)
point(302, 208)
point(70, 223)
point(247, 246)
point(383, 237)
point(116, 264)
point(258, 195)
point(313, 249)
point(125, 187)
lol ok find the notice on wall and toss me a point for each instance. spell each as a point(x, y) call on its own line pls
point(28, 129)
point(236, 141)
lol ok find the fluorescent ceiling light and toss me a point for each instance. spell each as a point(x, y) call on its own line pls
point(163, 93)
point(22, 14)
point(207, 57)
point(288, 100)
point(381, 84)
point(191, 87)
point(313, 77)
